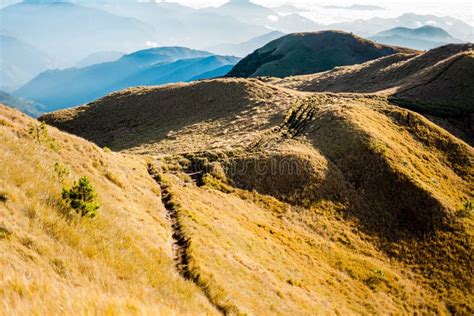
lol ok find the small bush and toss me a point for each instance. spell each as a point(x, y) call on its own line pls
point(377, 277)
point(61, 171)
point(39, 133)
point(82, 198)
point(107, 149)
point(3, 197)
point(468, 209)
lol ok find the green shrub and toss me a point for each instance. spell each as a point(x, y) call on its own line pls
point(61, 171)
point(39, 133)
point(82, 198)
point(468, 209)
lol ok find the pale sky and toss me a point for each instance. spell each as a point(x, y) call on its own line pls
point(461, 9)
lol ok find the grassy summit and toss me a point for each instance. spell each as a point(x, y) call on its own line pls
point(305, 53)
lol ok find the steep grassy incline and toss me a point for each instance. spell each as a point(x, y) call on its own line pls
point(305, 53)
point(121, 262)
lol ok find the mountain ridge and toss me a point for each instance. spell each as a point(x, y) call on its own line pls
point(303, 53)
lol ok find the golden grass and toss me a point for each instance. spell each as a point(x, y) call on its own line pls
point(119, 263)
point(269, 257)
point(371, 223)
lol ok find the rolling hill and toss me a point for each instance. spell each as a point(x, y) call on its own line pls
point(282, 181)
point(437, 83)
point(65, 88)
point(304, 53)
point(341, 192)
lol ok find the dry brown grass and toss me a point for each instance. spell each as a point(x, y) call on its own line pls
point(370, 224)
point(192, 117)
point(119, 263)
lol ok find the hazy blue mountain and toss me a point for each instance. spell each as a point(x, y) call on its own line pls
point(74, 86)
point(249, 12)
point(185, 26)
point(245, 48)
point(99, 58)
point(455, 27)
point(28, 107)
point(216, 73)
point(426, 32)
point(422, 38)
point(68, 32)
point(19, 62)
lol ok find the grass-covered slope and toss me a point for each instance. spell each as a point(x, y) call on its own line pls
point(295, 203)
point(178, 117)
point(305, 53)
point(438, 83)
point(121, 262)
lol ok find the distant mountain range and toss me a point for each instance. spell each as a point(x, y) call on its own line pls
point(455, 27)
point(59, 89)
point(422, 38)
point(99, 58)
point(20, 62)
point(305, 53)
point(68, 32)
point(28, 107)
point(245, 48)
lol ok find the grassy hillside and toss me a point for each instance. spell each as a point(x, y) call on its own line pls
point(305, 53)
point(293, 203)
point(119, 263)
point(437, 83)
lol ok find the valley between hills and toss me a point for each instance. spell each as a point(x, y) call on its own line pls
point(344, 190)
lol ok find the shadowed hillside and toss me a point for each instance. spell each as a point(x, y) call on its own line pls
point(438, 83)
point(304, 53)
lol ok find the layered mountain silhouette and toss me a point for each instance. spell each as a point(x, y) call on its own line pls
point(69, 32)
point(99, 58)
point(245, 48)
point(453, 26)
point(69, 87)
point(422, 38)
point(249, 12)
point(304, 53)
point(20, 62)
point(31, 108)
